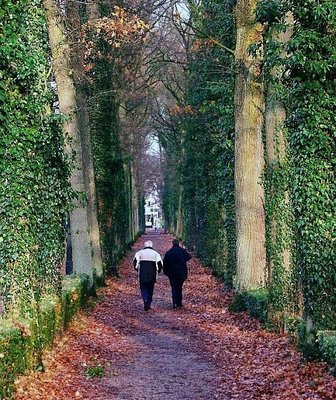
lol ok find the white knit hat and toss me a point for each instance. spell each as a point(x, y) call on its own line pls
point(148, 243)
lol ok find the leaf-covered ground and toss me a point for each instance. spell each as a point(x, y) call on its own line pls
point(199, 352)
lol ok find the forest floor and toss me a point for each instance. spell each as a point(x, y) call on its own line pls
point(201, 351)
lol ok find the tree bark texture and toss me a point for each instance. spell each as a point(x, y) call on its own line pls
point(249, 152)
point(81, 248)
point(89, 177)
point(92, 9)
point(77, 58)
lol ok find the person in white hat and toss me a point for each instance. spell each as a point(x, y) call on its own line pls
point(148, 263)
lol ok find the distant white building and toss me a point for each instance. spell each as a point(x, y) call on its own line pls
point(153, 212)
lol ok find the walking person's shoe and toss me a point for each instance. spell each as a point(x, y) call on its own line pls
point(175, 305)
point(147, 306)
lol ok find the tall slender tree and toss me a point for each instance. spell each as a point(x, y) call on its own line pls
point(249, 151)
point(74, 26)
point(79, 226)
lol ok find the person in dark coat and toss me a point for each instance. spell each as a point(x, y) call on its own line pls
point(148, 263)
point(175, 267)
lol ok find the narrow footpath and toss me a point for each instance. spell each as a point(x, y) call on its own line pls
point(201, 351)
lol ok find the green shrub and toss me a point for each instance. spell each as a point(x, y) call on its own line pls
point(255, 301)
point(327, 346)
point(13, 357)
point(49, 321)
point(238, 303)
point(74, 291)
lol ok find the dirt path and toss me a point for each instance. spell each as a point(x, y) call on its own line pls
point(199, 352)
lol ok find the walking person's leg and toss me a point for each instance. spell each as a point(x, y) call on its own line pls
point(179, 285)
point(150, 292)
point(147, 294)
point(175, 291)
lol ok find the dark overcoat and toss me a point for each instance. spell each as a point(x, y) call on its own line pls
point(175, 263)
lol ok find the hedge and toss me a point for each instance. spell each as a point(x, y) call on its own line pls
point(21, 342)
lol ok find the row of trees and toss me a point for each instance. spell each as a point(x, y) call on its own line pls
point(241, 95)
point(247, 122)
point(73, 142)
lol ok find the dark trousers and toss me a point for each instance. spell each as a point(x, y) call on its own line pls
point(147, 290)
point(176, 286)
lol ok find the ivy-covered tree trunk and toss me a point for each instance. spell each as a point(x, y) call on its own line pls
point(131, 189)
point(180, 228)
point(34, 190)
point(134, 206)
point(80, 238)
point(249, 152)
point(311, 124)
point(279, 242)
point(179, 214)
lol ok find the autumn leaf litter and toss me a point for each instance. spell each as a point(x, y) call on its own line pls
point(199, 352)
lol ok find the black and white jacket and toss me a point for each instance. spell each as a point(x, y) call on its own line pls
point(148, 263)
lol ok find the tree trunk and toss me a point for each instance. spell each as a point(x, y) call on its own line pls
point(133, 205)
point(92, 10)
point(179, 215)
point(89, 176)
point(249, 152)
point(77, 56)
point(130, 182)
point(180, 232)
point(81, 248)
